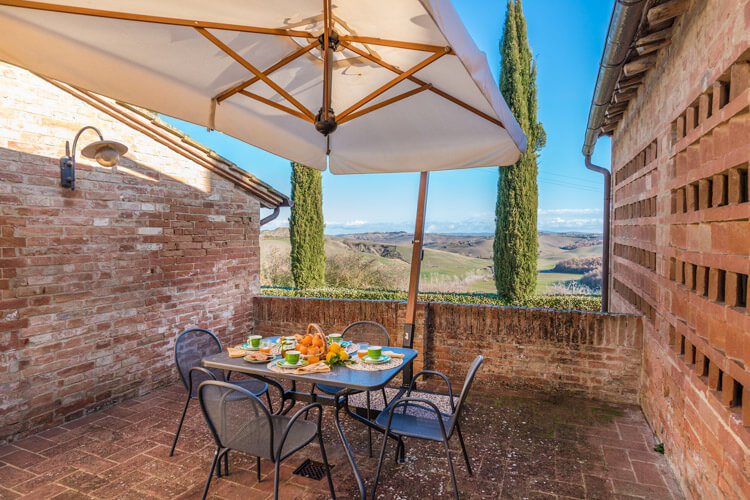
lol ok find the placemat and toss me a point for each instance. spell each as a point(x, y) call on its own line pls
point(367, 367)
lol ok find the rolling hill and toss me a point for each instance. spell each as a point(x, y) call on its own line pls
point(452, 263)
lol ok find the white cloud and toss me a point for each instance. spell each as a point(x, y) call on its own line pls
point(569, 211)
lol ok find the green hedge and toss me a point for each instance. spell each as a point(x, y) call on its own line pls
point(576, 302)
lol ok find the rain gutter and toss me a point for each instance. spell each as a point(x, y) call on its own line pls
point(623, 25)
point(286, 203)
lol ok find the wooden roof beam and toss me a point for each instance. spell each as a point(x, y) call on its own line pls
point(656, 36)
point(625, 96)
point(640, 65)
point(666, 11)
point(652, 47)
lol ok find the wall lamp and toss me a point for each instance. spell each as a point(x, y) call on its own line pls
point(106, 153)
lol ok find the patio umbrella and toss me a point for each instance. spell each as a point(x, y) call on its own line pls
point(358, 86)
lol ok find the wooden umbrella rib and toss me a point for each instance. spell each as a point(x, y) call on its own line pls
point(276, 105)
point(126, 16)
point(393, 43)
point(255, 71)
point(291, 57)
point(413, 79)
point(385, 103)
point(401, 77)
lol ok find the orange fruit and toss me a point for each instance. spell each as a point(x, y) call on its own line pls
point(313, 359)
point(308, 340)
point(302, 349)
point(317, 341)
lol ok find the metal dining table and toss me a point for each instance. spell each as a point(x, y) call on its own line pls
point(349, 380)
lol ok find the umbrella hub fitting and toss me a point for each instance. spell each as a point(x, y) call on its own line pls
point(333, 41)
point(325, 127)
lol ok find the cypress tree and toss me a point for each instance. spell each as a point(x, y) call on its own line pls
point(515, 245)
point(306, 228)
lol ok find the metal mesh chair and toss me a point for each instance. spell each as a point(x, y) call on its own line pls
point(422, 419)
point(190, 347)
point(239, 421)
point(368, 332)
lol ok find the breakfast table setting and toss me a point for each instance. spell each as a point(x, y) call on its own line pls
point(317, 358)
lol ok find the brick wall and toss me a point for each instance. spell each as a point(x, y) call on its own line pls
point(584, 354)
point(681, 245)
point(95, 283)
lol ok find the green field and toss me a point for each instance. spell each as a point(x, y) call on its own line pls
point(444, 270)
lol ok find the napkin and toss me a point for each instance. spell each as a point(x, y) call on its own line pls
point(319, 367)
point(393, 354)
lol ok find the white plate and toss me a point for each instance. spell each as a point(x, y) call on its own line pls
point(384, 358)
point(247, 347)
point(283, 364)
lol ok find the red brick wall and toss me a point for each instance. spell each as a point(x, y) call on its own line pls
point(682, 258)
point(585, 354)
point(96, 283)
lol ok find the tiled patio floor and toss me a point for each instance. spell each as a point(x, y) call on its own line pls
point(520, 447)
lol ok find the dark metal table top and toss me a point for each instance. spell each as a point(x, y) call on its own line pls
point(339, 376)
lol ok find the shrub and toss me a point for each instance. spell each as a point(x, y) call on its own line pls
point(593, 279)
point(578, 265)
point(357, 270)
point(575, 302)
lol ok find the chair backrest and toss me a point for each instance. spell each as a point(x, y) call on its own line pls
point(465, 391)
point(367, 331)
point(189, 348)
point(237, 418)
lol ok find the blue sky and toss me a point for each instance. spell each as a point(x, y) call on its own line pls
point(567, 38)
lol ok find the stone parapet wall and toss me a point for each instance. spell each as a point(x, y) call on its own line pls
point(585, 354)
point(96, 283)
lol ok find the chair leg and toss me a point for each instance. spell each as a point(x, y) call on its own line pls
point(223, 455)
point(325, 461)
point(369, 429)
point(226, 463)
point(258, 463)
point(276, 481)
point(268, 397)
point(211, 473)
point(450, 465)
point(380, 464)
point(463, 448)
point(179, 427)
point(385, 398)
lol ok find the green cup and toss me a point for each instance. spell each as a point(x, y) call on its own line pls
point(292, 357)
point(334, 338)
point(374, 351)
point(254, 340)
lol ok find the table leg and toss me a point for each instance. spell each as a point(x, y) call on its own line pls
point(349, 454)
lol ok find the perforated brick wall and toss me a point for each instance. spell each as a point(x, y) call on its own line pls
point(684, 265)
point(96, 283)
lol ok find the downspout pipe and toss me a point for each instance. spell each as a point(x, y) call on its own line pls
point(605, 243)
point(623, 26)
point(286, 203)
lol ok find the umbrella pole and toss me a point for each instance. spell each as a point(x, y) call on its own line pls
point(416, 262)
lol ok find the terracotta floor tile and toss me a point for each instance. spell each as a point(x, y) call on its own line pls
point(34, 444)
point(11, 476)
point(519, 447)
point(22, 458)
point(648, 473)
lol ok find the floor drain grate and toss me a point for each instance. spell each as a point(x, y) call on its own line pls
point(312, 469)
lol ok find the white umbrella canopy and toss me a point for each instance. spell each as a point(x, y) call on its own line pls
point(408, 90)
